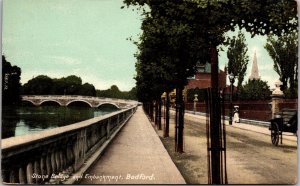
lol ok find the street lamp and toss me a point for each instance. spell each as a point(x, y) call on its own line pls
point(231, 79)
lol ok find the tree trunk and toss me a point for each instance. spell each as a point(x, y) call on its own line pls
point(167, 105)
point(215, 120)
point(151, 111)
point(180, 120)
point(156, 114)
point(176, 119)
point(292, 87)
point(148, 109)
point(145, 108)
point(159, 114)
point(284, 83)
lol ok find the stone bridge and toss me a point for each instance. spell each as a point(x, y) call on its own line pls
point(66, 100)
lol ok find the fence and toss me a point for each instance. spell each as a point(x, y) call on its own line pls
point(36, 158)
point(253, 110)
point(288, 103)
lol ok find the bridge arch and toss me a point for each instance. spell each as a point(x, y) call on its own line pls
point(82, 101)
point(107, 103)
point(49, 101)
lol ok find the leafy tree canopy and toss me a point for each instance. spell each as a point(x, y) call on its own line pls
point(169, 48)
point(40, 85)
point(74, 80)
point(237, 57)
point(284, 52)
point(71, 85)
point(114, 92)
point(219, 16)
point(10, 83)
point(177, 34)
point(255, 90)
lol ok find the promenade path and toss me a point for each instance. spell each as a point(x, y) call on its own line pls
point(136, 156)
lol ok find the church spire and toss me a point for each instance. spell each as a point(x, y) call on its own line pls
point(254, 72)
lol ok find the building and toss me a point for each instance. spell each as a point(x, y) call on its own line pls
point(202, 78)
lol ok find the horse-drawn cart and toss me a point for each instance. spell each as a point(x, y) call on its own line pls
point(284, 121)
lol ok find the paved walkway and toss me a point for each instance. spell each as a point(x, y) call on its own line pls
point(136, 156)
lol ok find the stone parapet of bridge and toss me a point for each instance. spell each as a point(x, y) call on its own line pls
point(65, 100)
point(63, 152)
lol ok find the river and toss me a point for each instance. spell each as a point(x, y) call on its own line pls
point(23, 120)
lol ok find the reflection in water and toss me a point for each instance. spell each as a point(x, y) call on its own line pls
point(9, 122)
point(26, 119)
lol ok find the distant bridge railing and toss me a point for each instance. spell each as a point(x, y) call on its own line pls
point(77, 96)
point(64, 100)
point(55, 154)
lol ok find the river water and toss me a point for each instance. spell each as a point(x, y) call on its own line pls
point(28, 119)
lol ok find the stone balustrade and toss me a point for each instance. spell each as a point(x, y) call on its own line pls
point(55, 153)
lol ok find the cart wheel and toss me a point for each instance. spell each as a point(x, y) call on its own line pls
point(275, 134)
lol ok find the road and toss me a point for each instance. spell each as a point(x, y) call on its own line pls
point(251, 158)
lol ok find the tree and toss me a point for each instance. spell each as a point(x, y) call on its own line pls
point(87, 90)
point(10, 83)
point(59, 87)
point(169, 51)
point(284, 52)
point(255, 90)
point(211, 19)
point(132, 94)
point(71, 85)
point(73, 80)
point(40, 85)
point(237, 57)
point(115, 92)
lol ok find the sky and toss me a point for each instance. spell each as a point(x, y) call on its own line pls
point(264, 61)
point(87, 38)
point(58, 38)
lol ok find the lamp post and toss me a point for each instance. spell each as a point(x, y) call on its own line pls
point(231, 79)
